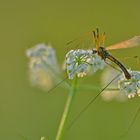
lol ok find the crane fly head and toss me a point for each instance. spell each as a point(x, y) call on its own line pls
point(96, 35)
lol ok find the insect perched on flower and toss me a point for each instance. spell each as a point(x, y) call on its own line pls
point(124, 85)
point(80, 62)
point(45, 72)
point(100, 50)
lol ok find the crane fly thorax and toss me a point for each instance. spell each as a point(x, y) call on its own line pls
point(102, 52)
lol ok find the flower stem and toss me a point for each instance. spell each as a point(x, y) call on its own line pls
point(62, 125)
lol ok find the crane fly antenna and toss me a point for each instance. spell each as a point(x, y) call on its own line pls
point(90, 102)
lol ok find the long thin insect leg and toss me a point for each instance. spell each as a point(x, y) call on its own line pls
point(113, 66)
point(91, 101)
point(135, 57)
point(132, 122)
point(57, 85)
point(138, 111)
point(78, 41)
point(129, 57)
point(138, 62)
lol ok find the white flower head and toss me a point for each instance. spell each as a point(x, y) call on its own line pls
point(131, 87)
point(80, 62)
point(123, 87)
point(76, 63)
point(43, 67)
point(42, 52)
point(97, 63)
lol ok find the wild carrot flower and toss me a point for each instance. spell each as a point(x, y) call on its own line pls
point(121, 86)
point(43, 67)
point(131, 87)
point(81, 62)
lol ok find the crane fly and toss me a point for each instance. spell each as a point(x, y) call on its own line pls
point(103, 52)
point(96, 42)
point(100, 49)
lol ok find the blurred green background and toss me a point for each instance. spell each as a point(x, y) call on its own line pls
point(27, 111)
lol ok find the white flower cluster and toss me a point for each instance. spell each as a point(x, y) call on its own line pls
point(121, 88)
point(45, 73)
point(42, 52)
point(80, 62)
point(43, 66)
point(132, 86)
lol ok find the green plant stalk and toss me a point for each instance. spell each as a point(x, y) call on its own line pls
point(62, 125)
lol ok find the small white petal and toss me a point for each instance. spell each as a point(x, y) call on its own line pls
point(82, 74)
point(131, 96)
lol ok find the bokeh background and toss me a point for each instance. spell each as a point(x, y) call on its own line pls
point(28, 111)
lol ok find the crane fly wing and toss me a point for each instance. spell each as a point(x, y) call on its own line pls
point(83, 42)
point(133, 42)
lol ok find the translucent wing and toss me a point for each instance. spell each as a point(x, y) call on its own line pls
point(85, 41)
point(133, 42)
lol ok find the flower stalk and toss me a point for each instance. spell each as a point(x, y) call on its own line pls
point(63, 122)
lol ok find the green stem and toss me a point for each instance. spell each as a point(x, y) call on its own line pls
point(62, 125)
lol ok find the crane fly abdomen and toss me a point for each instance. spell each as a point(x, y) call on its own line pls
point(126, 73)
point(103, 53)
